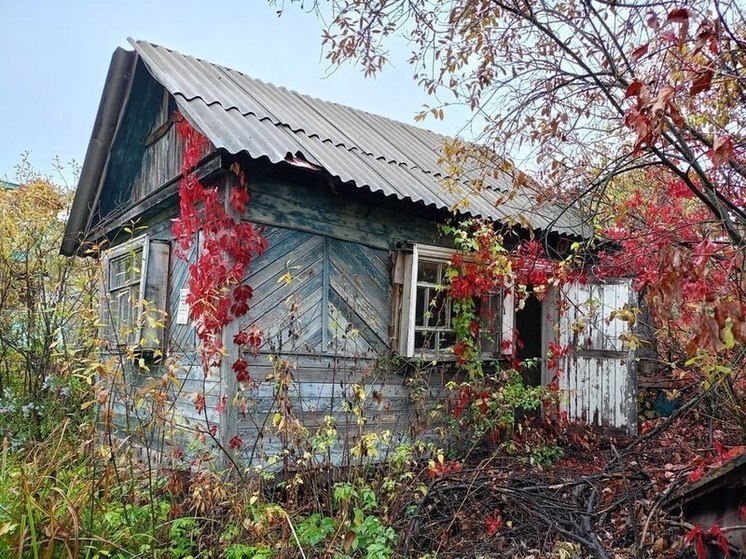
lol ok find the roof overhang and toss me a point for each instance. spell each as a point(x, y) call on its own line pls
point(113, 99)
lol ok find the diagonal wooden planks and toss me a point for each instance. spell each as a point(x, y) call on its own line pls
point(359, 291)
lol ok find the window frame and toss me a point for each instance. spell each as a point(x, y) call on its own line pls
point(407, 320)
point(130, 247)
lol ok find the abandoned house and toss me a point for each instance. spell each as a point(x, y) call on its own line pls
point(349, 204)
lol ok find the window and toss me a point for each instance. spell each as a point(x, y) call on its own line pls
point(135, 272)
point(433, 330)
point(125, 290)
point(425, 326)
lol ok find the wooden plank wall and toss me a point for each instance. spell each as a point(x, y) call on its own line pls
point(183, 362)
point(161, 160)
point(288, 284)
point(359, 299)
point(597, 380)
point(316, 295)
point(298, 207)
point(323, 307)
point(324, 387)
point(329, 320)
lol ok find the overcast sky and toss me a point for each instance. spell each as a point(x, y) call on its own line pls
point(54, 57)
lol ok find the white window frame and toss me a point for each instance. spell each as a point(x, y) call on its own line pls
point(128, 248)
point(407, 327)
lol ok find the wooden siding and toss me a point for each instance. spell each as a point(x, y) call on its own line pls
point(181, 414)
point(323, 387)
point(288, 290)
point(147, 150)
point(181, 337)
point(322, 212)
point(598, 373)
point(161, 160)
point(323, 305)
point(313, 294)
point(183, 358)
point(330, 318)
point(322, 297)
point(126, 154)
point(359, 299)
point(163, 152)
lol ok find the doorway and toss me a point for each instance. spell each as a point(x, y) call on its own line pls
point(528, 323)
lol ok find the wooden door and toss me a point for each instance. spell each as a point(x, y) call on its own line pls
point(597, 375)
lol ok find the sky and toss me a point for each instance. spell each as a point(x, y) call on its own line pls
point(54, 57)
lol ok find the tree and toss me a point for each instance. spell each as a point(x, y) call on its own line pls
point(47, 317)
point(653, 82)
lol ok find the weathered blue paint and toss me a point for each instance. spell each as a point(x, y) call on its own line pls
point(321, 292)
point(304, 208)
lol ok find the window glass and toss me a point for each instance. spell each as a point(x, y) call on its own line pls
point(421, 306)
point(124, 274)
point(433, 314)
point(429, 272)
point(432, 320)
point(124, 269)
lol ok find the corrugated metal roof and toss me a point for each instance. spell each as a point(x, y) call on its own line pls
point(239, 113)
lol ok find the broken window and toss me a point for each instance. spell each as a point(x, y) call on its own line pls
point(426, 311)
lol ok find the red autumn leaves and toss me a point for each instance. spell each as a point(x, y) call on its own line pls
point(654, 107)
point(217, 292)
point(691, 279)
point(228, 243)
point(699, 537)
point(250, 341)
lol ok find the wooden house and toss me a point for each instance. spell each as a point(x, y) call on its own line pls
point(350, 204)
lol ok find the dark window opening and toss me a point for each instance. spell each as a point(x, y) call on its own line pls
point(528, 323)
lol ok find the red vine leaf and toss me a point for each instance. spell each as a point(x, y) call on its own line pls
point(720, 539)
point(696, 474)
point(243, 292)
point(701, 82)
point(638, 53)
point(240, 365)
point(199, 403)
point(493, 522)
point(239, 308)
point(239, 197)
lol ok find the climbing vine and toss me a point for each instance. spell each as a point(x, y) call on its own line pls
point(483, 268)
point(227, 244)
point(488, 270)
point(488, 402)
